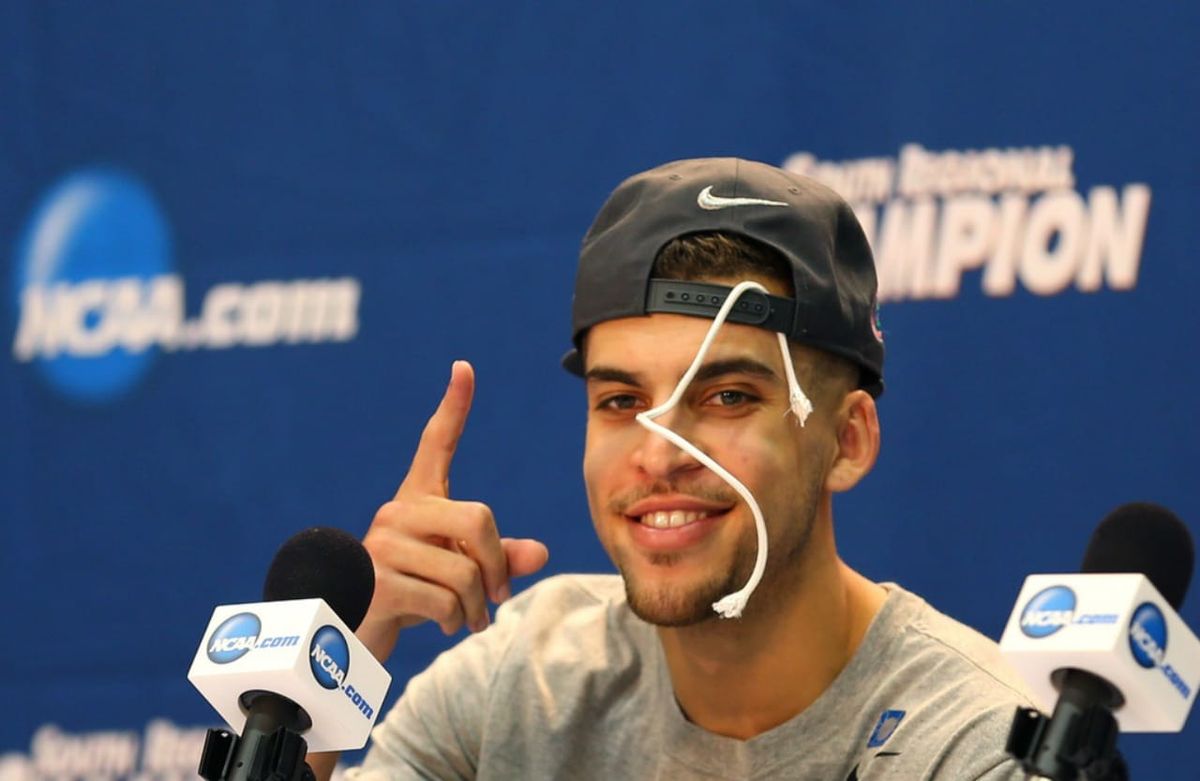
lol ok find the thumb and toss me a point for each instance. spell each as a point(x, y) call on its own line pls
point(525, 557)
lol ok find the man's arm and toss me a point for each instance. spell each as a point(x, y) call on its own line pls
point(436, 558)
point(322, 764)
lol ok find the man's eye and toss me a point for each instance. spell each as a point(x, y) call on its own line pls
point(623, 401)
point(730, 398)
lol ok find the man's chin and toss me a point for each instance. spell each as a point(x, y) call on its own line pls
point(672, 605)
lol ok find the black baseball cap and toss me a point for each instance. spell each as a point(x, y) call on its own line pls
point(833, 272)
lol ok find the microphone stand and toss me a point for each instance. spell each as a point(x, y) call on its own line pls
point(1078, 742)
point(270, 748)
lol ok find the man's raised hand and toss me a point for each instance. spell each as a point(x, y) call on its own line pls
point(437, 558)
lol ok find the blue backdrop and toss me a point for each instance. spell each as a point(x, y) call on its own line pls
point(244, 243)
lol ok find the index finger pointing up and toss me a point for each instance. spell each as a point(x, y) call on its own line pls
point(430, 470)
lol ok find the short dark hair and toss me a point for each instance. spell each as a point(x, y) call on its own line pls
point(717, 255)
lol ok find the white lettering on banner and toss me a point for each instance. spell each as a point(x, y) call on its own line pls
point(57, 754)
point(165, 752)
point(990, 171)
point(869, 179)
point(94, 317)
point(1011, 214)
point(171, 749)
point(91, 318)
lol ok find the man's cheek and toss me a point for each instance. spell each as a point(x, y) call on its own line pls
point(601, 456)
point(742, 452)
point(605, 442)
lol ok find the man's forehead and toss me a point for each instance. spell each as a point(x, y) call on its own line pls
point(668, 333)
point(667, 343)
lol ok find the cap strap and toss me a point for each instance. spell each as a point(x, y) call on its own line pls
point(701, 299)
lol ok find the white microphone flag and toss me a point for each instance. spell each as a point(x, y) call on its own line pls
point(302, 650)
point(1116, 626)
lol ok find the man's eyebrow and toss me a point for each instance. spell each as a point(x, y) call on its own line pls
point(749, 366)
point(612, 374)
point(706, 372)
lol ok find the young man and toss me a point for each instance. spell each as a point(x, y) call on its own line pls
point(710, 486)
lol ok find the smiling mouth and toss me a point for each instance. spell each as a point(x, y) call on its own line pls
point(672, 519)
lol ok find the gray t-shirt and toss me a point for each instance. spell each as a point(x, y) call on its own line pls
point(568, 683)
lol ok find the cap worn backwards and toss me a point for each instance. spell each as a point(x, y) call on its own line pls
point(833, 272)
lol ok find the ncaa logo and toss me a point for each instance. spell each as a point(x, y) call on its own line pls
point(1148, 635)
point(234, 638)
point(1048, 611)
point(90, 240)
point(97, 298)
point(329, 657)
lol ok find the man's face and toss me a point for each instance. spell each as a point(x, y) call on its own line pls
point(736, 411)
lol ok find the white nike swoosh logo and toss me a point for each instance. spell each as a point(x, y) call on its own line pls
point(706, 200)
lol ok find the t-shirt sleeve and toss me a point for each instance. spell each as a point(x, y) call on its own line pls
point(976, 751)
point(435, 729)
point(1008, 770)
point(945, 750)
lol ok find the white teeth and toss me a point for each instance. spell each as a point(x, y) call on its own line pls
point(671, 519)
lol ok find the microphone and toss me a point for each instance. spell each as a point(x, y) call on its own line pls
point(1146, 538)
point(291, 665)
point(1105, 648)
point(323, 563)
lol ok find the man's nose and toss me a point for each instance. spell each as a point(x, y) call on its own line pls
point(657, 456)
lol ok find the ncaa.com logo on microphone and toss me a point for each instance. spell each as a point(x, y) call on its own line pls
point(238, 635)
point(1148, 644)
point(98, 298)
point(1048, 611)
point(329, 660)
point(329, 657)
point(234, 638)
point(1053, 608)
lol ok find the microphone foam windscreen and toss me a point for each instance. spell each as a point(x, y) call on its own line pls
point(327, 563)
point(1148, 539)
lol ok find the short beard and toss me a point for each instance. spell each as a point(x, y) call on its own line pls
point(673, 605)
point(683, 605)
point(678, 606)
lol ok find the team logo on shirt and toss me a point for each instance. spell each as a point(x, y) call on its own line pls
point(888, 721)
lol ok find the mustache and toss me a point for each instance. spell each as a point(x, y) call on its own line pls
point(722, 494)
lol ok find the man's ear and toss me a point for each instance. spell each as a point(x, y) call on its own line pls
point(857, 441)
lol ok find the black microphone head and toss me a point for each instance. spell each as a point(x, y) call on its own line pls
point(327, 563)
point(1148, 539)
